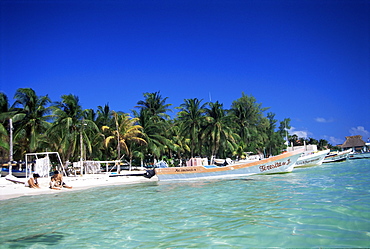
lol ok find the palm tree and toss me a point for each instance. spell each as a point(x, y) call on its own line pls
point(104, 120)
point(155, 105)
point(240, 150)
point(152, 116)
point(283, 130)
point(191, 117)
point(153, 131)
point(104, 116)
point(125, 132)
point(246, 115)
point(4, 144)
point(218, 130)
point(4, 116)
point(96, 137)
point(323, 144)
point(4, 103)
point(70, 128)
point(90, 114)
point(180, 144)
point(30, 121)
point(270, 132)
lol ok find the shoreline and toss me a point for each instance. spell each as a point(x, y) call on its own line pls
point(10, 190)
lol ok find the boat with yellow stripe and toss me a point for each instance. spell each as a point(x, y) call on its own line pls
point(282, 163)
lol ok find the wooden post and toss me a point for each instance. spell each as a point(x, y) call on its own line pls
point(11, 146)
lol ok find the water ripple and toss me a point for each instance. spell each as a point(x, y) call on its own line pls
point(325, 206)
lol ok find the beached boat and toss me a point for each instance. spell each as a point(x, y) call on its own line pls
point(16, 170)
point(313, 159)
point(278, 164)
point(337, 156)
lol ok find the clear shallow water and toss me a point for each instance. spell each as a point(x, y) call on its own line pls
point(323, 206)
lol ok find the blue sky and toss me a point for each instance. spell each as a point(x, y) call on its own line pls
point(306, 60)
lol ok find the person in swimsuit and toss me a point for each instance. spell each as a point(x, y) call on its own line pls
point(32, 181)
point(57, 181)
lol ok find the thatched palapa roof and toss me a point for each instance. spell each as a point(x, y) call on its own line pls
point(353, 141)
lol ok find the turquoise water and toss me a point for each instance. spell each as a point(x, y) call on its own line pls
point(323, 206)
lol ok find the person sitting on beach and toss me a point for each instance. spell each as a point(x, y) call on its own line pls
point(53, 184)
point(32, 181)
point(57, 181)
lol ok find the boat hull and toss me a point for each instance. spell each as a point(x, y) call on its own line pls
point(312, 159)
point(15, 172)
point(365, 155)
point(283, 163)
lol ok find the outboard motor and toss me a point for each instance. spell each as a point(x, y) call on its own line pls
point(227, 162)
point(149, 173)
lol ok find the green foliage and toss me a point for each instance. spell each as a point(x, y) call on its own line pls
point(191, 118)
point(198, 129)
point(125, 133)
point(152, 117)
point(218, 133)
point(30, 115)
point(247, 115)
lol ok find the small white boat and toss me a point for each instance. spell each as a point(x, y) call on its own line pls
point(283, 163)
point(363, 155)
point(337, 156)
point(313, 159)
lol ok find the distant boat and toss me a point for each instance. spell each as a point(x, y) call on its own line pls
point(282, 163)
point(337, 156)
point(313, 159)
point(224, 162)
point(361, 155)
point(310, 157)
point(17, 170)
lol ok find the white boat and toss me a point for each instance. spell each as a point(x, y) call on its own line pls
point(337, 156)
point(361, 155)
point(312, 159)
point(283, 163)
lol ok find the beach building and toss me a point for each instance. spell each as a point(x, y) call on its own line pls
point(355, 143)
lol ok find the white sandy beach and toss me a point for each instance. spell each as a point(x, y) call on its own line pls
point(10, 190)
